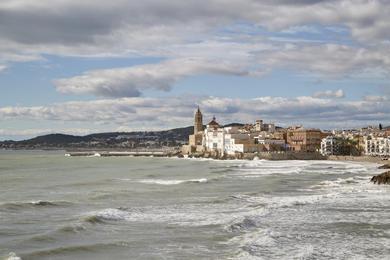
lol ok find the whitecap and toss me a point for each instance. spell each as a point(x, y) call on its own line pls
point(106, 215)
point(172, 182)
point(13, 256)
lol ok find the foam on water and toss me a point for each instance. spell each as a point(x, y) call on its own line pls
point(106, 215)
point(202, 214)
point(258, 238)
point(172, 182)
point(329, 211)
point(13, 256)
point(35, 203)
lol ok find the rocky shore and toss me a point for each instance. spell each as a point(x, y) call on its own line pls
point(383, 178)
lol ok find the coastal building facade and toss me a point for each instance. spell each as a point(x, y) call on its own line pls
point(332, 145)
point(377, 146)
point(304, 140)
point(228, 140)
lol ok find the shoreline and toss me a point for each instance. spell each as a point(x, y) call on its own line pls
point(368, 159)
point(261, 156)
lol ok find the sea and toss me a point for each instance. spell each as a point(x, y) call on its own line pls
point(58, 207)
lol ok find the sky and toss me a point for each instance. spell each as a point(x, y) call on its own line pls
point(80, 67)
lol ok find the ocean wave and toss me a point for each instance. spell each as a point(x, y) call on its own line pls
point(199, 214)
point(246, 224)
point(253, 173)
point(74, 228)
point(51, 252)
point(283, 201)
point(31, 204)
point(13, 256)
point(264, 205)
point(355, 184)
point(172, 182)
point(106, 215)
point(253, 169)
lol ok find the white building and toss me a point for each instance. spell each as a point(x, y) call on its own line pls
point(214, 137)
point(267, 127)
point(268, 141)
point(377, 146)
point(227, 140)
point(330, 145)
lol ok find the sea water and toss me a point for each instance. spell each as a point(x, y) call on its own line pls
point(58, 207)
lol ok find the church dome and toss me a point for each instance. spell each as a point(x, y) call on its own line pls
point(213, 123)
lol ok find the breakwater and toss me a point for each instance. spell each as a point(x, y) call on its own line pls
point(153, 153)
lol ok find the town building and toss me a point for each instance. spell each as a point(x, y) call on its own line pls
point(195, 141)
point(377, 146)
point(332, 145)
point(198, 124)
point(304, 140)
point(266, 127)
point(228, 140)
point(252, 138)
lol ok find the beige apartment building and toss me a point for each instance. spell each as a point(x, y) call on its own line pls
point(304, 140)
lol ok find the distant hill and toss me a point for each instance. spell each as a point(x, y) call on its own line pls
point(172, 137)
point(139, 139)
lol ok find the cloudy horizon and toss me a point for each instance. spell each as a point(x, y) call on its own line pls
point(81, 67)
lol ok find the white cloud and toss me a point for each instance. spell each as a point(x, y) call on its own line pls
point(129, 82)
point(375, 98)
point(155, 27)
point(330, 59)
point(164, 113)
point(39, 131)
point(244, 59)
point(330, 94)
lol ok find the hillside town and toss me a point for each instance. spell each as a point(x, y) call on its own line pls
point(236, 140)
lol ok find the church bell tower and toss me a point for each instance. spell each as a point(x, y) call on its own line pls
point(198, 125)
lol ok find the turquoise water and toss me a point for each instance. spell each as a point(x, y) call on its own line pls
point(57, 207)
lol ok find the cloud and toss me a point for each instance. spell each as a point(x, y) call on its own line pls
point(330, 59)
point(330, 94)
point(129, 82)
point(244, 59)
point(39, 131)
point(164, 113)
point(301, 29)
point(104, 28)
point(375, 98)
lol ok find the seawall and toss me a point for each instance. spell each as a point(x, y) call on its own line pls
point(358, 159)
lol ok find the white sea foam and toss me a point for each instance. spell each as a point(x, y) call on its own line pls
point(13, 256)
point(107, 214)
point(172, 182)
point(197, 214)
point(95, 155)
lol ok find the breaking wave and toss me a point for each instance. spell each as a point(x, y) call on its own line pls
point(88, 248)
point(106, 215)
point(31, 204)
point(13, 256)
point(172, 182)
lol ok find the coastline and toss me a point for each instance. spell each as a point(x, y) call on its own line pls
point(250, 156)
point(368, 159)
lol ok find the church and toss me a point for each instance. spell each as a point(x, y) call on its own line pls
point(195, 141)
point(216, 138)
point(231, 140)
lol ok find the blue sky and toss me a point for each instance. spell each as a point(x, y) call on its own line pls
point(83, 67)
